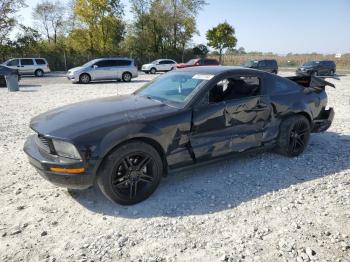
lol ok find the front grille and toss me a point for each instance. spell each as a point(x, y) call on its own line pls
point(44, 143)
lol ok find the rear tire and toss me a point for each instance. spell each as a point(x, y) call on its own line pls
point(131, 173)
point(84, 78)
point(294, 136)
point(126, 77)
point(39, 73)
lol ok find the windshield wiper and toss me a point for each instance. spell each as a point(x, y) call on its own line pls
point(154, 99)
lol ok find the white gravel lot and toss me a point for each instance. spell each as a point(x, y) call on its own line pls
point(262, 207)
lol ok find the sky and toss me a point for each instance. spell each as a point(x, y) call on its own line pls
point(279, 26)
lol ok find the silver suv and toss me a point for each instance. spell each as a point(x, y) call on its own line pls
point(160, 65)
point(104, 69)
point(29, 66)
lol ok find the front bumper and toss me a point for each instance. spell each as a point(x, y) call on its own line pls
point(43, 161)
point(323, 121)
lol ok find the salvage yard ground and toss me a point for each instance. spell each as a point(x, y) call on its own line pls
point(262, 207)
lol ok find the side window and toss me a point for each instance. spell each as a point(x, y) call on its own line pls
point(262, 63)
point(281, 86)
point(103, 63)
point(171, 62)
point(236, 87)
point(210, 62)
point(27, 62)
point(40, 61)
point(164, 62)
point(14, 62)
point(123, 62)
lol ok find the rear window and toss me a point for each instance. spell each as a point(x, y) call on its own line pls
point(281, 85)
point(25, 62)
point(40, 62)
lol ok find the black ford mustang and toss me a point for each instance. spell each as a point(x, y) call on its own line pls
point(127, 143)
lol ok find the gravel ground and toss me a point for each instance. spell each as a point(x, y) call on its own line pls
point(262, 207)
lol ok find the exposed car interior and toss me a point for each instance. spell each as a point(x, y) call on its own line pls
point(234, 88)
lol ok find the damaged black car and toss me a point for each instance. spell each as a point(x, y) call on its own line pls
point(126, 144)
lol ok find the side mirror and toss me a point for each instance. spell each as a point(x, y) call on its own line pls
point(197, 64)
point(95, 66)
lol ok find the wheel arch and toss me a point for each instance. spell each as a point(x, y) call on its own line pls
point(85, 73)
point(147, 140)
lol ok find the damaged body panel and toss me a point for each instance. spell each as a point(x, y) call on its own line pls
point(187, 116)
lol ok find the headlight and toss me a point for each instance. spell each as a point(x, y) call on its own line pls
point(66, 149)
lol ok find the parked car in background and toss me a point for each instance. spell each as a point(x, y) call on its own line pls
point(199, 62)
point(117, 68)
point(267, 65)
point(317, 68)
point(160, 65)
point(29, 66)
point(126, 144)
point(4, 71)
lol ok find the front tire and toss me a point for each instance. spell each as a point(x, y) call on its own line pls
point(39, 73)
point(131, 173)
point(84, 78)
point(153, 71)
point(294, 136)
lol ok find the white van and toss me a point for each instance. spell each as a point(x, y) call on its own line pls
point(29, 66)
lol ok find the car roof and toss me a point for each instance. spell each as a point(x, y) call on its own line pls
point(114, 57)
point(27, 58)
point(215, 70)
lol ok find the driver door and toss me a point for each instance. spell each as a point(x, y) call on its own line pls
point(230, 123)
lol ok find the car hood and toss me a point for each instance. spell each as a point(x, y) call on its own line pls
point(147, 65)
point(75, 69)
point(71, 121)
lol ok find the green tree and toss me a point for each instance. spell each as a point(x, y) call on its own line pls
point(221, 37)
point(200, 50)
point(102, 21)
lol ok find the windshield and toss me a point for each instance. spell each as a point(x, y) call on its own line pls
point(90, 63)
point(154, 62)
point(192, 61)
point(311, 63)
point(174, 88)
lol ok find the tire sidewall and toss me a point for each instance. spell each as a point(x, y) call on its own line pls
point(128, 79)
point(81, 76)
point(105, 176)
point(39, 73)
point(153, 71)
point(284, 135)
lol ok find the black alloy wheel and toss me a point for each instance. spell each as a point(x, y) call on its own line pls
point(298, 138)
point(294, 135)
point(131, 173)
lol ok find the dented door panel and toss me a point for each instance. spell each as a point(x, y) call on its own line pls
point(230, 126)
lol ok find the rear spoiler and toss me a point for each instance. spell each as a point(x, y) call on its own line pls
point(310, 81)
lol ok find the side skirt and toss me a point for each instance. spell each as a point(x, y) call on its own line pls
point(265, 147)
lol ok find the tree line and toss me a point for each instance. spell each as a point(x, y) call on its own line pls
point(68, 34)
